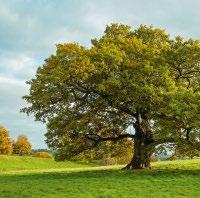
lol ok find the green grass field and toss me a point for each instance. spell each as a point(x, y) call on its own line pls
point(33, 177)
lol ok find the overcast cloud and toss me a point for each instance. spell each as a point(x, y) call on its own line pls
point(29, 30)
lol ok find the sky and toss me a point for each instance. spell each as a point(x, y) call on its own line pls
point(30, 29)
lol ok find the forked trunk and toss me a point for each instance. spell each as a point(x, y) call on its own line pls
point(142, 149)
point(141, 158)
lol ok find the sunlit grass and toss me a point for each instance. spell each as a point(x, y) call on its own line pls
point(17, 163)
point(69, 179)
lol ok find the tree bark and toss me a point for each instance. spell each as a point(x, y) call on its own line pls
point(142, 149)
point(141, 158)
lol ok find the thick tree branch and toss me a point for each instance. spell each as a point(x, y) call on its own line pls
point(195, 144)
point(97, 138)
point(110, 102)
point(163, 141)
point(89, 90)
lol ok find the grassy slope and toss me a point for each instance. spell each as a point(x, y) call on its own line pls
point(166, 179)
point(16, 163)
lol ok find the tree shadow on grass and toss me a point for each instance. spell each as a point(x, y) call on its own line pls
point(102, 183)
point(104, 174)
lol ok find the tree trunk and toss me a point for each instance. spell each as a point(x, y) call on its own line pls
point(141, 158)
point(142, 149)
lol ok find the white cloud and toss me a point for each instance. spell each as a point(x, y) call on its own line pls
point(7, 14)
point(11, 81)
point(15, 65)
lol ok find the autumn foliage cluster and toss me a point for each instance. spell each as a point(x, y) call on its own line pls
point(5, 142)
point(21, 146)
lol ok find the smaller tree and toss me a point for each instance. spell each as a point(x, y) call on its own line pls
point(22, 146)
point(5, 142)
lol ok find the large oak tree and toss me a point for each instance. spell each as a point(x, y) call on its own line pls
point(140, 78)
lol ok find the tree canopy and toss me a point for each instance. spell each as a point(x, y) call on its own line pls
point(141, 78)
point(22, 146)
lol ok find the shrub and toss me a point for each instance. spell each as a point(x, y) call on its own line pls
point(42, 155)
